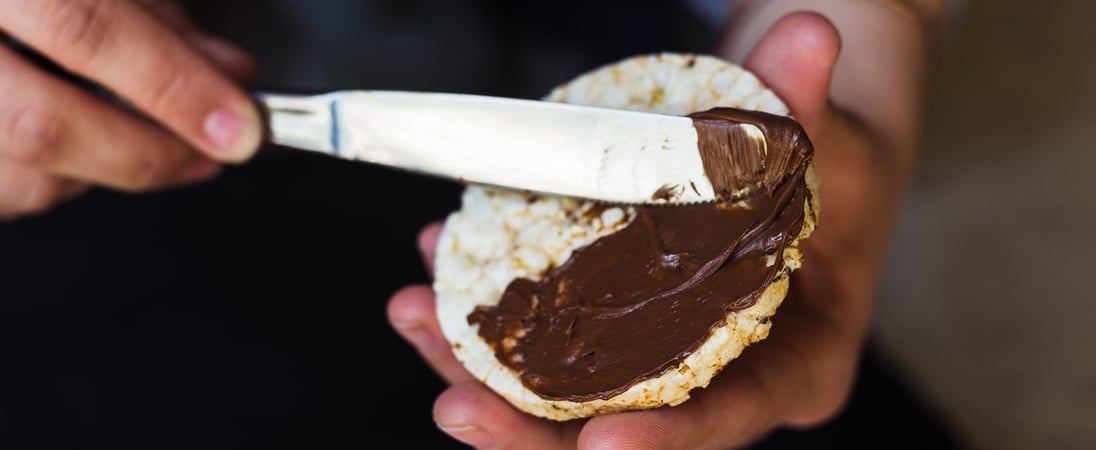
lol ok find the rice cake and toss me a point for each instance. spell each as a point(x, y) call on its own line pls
point(499, 238)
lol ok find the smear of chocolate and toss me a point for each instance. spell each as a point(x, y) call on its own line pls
point(735, 160)
point(636, 303)
point(663, 193)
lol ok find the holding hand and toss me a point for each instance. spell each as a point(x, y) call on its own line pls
point(56, 140)
point(801, 374)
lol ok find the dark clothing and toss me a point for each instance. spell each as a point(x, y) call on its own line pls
point(249, 313)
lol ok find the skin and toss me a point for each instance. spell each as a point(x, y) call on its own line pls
point(56, 140)
point(801, 375)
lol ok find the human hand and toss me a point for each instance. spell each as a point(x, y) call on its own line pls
point(801, 374)
point(57, 140)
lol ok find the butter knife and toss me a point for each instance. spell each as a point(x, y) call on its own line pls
point(608, 155)
point(602, 154)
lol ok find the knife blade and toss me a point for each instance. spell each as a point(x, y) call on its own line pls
point(603, 154)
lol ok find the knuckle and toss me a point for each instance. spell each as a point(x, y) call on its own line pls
point(33, 135)
point(834, 401)
point(832, 390)
point(166, 93)
point(148, 171)
point(819, 414)
point(144, 174)
point(29, 193)
point(40, 199)
point(80, 27)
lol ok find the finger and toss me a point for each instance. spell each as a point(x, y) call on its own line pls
point(170, 13)
point(428, 245)
point(823, 352)
point(26, 191)
point(792, 378)
point(733, 418)
point(471, 413)
point(71, 189)
point(198, 170)
point(229, 58)
point(50, 125)
point(795, 59)
point(411, 312)
point(119, 45)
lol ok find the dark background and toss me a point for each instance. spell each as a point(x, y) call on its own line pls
point(249, 313)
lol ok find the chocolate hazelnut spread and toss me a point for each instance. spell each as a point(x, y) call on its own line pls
point(634, 304)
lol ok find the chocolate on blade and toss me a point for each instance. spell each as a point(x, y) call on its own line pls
point(748, 149)
point(664, 192)
point(635, 303)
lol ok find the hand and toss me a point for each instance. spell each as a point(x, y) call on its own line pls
point(57, 140)
point(801, 374)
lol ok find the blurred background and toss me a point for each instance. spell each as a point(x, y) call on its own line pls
point(249, 312)
point(987, 307)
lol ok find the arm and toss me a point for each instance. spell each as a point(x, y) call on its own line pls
point(56, 139)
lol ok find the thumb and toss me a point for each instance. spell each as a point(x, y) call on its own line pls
point(795, 59)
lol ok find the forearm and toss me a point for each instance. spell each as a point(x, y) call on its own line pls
point(880, 73)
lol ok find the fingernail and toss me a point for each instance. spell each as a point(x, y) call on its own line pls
point(420, 337)
point(200, 169)
point(233, 135)
point(470, 434)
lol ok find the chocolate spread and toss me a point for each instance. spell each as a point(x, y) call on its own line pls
point(636, 303)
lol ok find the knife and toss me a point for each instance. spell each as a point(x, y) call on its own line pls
point(603, 154)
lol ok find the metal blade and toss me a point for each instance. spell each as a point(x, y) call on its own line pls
point(543, 147)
